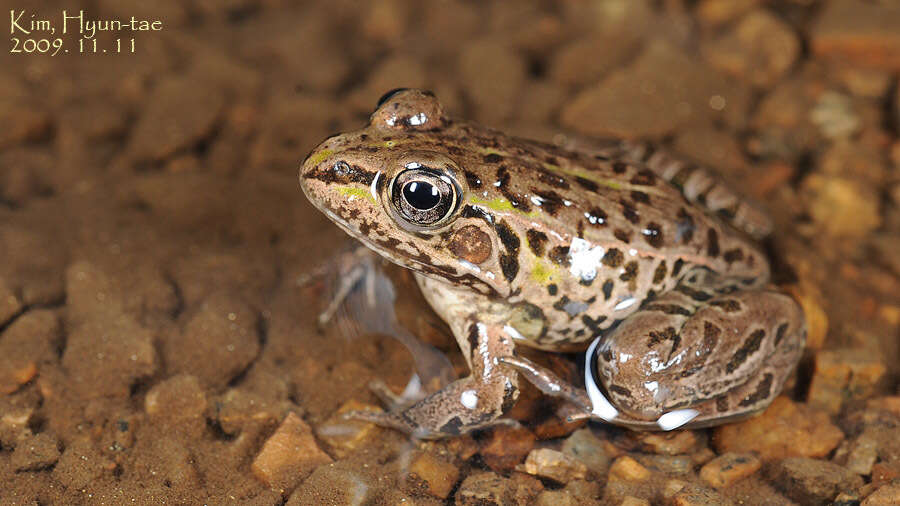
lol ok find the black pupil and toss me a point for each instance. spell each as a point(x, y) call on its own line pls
point(421, 195)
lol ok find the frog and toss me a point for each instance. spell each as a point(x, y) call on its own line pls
point(649, 264)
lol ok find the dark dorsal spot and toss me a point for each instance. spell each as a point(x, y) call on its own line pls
point(492, 158)
point(613, 258)
point(622, 235)
point(455, 150)
point(698, 295)
point(711, 335)
point(550, 200)
point(653, 234)
point(712, 243)
point(644, 177)
point(537, 241)
point(452, 427)
point(669, 309)
point(503, 179)
point(619, 167)
point(640, 197)
point(779, 333)
point(763, 389)
point(593, 324)
point(661, 336)
point(722, 403)
point(629, 212)
point(597, 217)
point(684, 224)
point(587, 184)
point(751, 345)
point(552, 289)
point(660, 273)
point(676, 267)
point(472, 337)
point(728, 212)
point(476, 212)
point(509, 264)
point(616, 389)
point(727, 305)
point(559, 255)
point(472, 180)
point(508, 238)
point(586, 281)
point(608, 286)
point(681, 177)
point(733, 255)
point(631, 270)
point(552, 179)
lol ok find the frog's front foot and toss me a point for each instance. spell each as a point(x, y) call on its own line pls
point(470, 403)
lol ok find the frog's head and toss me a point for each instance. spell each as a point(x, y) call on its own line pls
point(394, 187)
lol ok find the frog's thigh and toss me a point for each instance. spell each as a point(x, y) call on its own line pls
point(467, 403)
point(724, 355)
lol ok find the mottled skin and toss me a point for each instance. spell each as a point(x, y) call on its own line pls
point(535, 245)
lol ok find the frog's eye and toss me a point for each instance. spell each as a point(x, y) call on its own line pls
point(423, 197)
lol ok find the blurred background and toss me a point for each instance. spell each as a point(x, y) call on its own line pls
point(157, 329)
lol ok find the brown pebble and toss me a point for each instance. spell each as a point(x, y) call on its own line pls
point(811, 481)
point(726, 469)
point(505, 447)
point(554, 465)
point(289, 455)
point(886, 495)
point(35, 453)
point(784, 429)
point(626, 468)
point(343, 437)
point(178, 403)
point(842, 375)
point(437, 475)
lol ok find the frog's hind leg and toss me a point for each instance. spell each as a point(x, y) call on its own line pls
point(474, 402)
point(710, 344)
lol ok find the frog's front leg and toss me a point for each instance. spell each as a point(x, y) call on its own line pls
point(469, 403)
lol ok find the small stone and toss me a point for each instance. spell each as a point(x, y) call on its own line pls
point(663, 90)
point(81, 464)
point(168, 462)
point(885, 473)
point(587, 59)
point(726, 469)
point(435, 475)
point(561, 498)
point(672, 465)
point(864, 33)
point(505, 447)
point(343, 437)
point(862, 81)
point(634, 501)
point(333, 485)
point(836, 116)
point(860, 454)
point(106, 349)
point(10, 305)
point(28, 341)
point(693, 495)
point(554, 465)
point(492, 73)
point(35, 453)
point(288, 455)
point(811, 481)
point(844, 374)
point(719, 12)
point(784, 429)
point(219, 340)
point(668, 443)
point(589, 449)
point(488, 489)
point(761, 48)
point(841, 206)
point(886, 495)
point(810, 299)
point(180, 113)
point(626, 468)
point(178, 403)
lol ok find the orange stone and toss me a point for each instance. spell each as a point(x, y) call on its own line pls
point(785, 429)
point(288, 456)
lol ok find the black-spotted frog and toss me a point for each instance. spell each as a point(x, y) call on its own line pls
point(646, 260)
